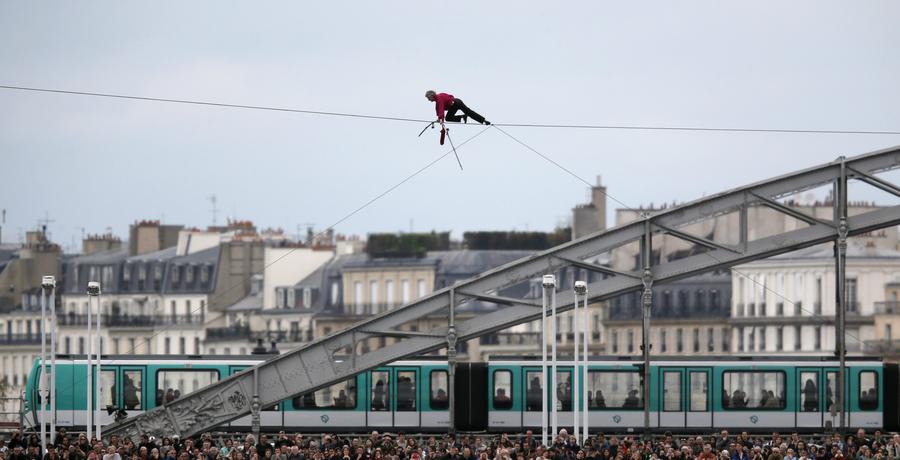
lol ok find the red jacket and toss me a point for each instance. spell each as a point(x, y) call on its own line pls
point(441, 102)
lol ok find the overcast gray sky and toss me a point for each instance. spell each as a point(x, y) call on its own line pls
point(98, 163)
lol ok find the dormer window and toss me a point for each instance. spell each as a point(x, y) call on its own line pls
point(189, 275)
point(126, 273)
point(307, 297)
point(204, 274)
point(176, 274)
point(158, 272)
point(142, 272)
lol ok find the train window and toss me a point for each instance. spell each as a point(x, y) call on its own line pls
point(533, 398)
point(439, 390)
point(699, 391)
point(381, 394)
point(502, 390)
point(131, 389)
point(615, 389)
point(564, 390)
point(753, 390)
point(868, 390)
point(107, 389)
point(672, 391)
point(406, 391)
point(809, 392)
point(341, 395)
point(172, 384)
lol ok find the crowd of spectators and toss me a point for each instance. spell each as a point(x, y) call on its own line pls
point(527, 446)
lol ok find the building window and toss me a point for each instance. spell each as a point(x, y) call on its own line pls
point(850, 291)
point(679, 340)
point(115, 349)
point(126, 272)
point(726, 336)
point(762, 309)
point(818, 338)
point(404, 291)
point(665, 300)
point(389, 293)
point(696, 340)
point(630, 341)
point(373, 295)
point(197, 345)
point(751, 309)
point(204, 273)
point(779, 338)
point(420, 288)
point(798, 308)
point(307, 297)
point(189, 274)
point(779, 309)
point(157, 272)
point(817, 306)
point(710, 340)
point(715, 299)
point(176, 274)
point(358, 300)
point(663, 346)
point(751, 339)
point(739, 311)
point(615, 341)
point(888, 333)
point(335, 291)
point(797, 338)
point(68, 345)
point(701, 299)
point(762, 339)
point(167, 347)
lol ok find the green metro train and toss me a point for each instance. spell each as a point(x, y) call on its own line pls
point(504, 394)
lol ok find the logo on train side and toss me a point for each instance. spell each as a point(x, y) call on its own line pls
point(754, 419)
point(617, 419)
point(324, 419)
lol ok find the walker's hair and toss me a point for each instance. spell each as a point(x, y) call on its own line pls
point(430, 93)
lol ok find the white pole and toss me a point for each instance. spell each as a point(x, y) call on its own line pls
point(549, 282)
point(576, 375)
point(89, 413)
point(93, 292)
point(553, 331)
point(42, 381)
point(98, 393)
point(584, 425)
point(52, 358)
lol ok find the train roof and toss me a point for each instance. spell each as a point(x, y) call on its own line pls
point(724, 358)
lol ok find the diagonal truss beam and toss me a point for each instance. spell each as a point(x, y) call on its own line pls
point(500, 299)
point(598, 268)
point(696, 239)
point(792, 212)
point(315, 365)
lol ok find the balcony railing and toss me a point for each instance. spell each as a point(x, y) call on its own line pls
point(283, 336)
point(220, 334)
point(891, 307)
point(132, 320)
point(20, 339)
point(512, 338)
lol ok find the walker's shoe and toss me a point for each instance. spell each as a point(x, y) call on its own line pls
point(465, 119)
point(487, 122)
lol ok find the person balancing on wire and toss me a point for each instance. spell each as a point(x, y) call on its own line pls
point(446, 102)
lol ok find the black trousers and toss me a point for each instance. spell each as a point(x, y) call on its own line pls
point(459, 105)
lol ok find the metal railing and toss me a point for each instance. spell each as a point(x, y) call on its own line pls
point(511, 338)
point(11, 412)
point(218, 334)
point(20, 339)
point(891, 307)
point(133, 320)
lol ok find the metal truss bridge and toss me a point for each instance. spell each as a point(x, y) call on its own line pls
point(332, 359)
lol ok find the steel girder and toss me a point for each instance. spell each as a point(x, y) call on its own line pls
point(334, 358)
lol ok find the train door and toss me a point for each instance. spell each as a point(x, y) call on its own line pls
point(830, 397)
point(379, 401)
point(133, 392)
point(671, 393)
point(810, 403)
point(698, 391)
point(406, 395)
point(108, 395)
point(564, 386)
point(534, 385)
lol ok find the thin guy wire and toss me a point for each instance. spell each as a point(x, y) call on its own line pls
point(342, 219)
point(417, 120)
point(707, 253)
